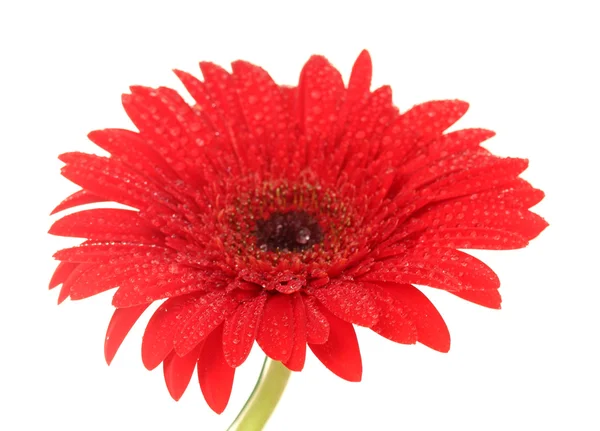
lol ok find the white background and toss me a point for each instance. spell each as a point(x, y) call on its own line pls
point(528, 68)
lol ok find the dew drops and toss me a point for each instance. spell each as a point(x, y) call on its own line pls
point(290, 231)
point(303, 236)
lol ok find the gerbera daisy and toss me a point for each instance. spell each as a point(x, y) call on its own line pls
point(284, 216)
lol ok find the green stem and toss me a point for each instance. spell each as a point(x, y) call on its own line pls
point(264, 398)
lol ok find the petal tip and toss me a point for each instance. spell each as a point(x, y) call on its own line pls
point(218, 409)
point(108, 357)
point(460, 105)
point(442, 347)
point(357, 378)
point(176, 396)
point(364, 59)
point(365, 53)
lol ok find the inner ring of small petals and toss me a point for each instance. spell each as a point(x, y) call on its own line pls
point(316, 225)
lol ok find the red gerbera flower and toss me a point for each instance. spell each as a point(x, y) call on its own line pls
point(285, 215)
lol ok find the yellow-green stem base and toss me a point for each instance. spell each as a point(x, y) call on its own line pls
point(264, 398)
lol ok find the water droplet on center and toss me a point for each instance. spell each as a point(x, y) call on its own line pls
point(288, 231)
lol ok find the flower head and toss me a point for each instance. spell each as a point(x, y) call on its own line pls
point(285, 215)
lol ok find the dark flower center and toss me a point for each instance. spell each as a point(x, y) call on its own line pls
point(288, 231)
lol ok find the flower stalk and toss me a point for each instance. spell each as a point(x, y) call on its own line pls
point(264, 398)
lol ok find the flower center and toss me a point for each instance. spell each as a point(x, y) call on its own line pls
point(288, 231)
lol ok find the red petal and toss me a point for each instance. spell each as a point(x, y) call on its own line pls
point(473, 238)
point(349, 301)
point(96, 279)
point(148, 283)
point(431, 328)
point(112, 180)
point(82, 197)
point(443, 268)
point(261, 101)
point(64, 293)
point(427, 168)
point(487, 298)
point(395, 320)
point(459, 140)
point(276, 333)
point(214, 374)
point(73, 278)
point(321, 90)
point(361, 140)
point(157, 342)
point(197, 90)
point(240, 330)
point(163, 117)
point(468, 270)
point(263, 107)
point(90, 279)
point(61, 273)
point(133, 150)
point(475, 180)
point(115, 253)
point(317, 326)
point(107, 224)
point(289, 98)
point(340, 354)
point(495, 210)
point(431, 159)
point(120, 324)
point(222, 91)
point(178, 371)
point(210, 311)
point(522, 194)
point(360, 79)
point(298, 356)
point(430, 119)
point(358, 88)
